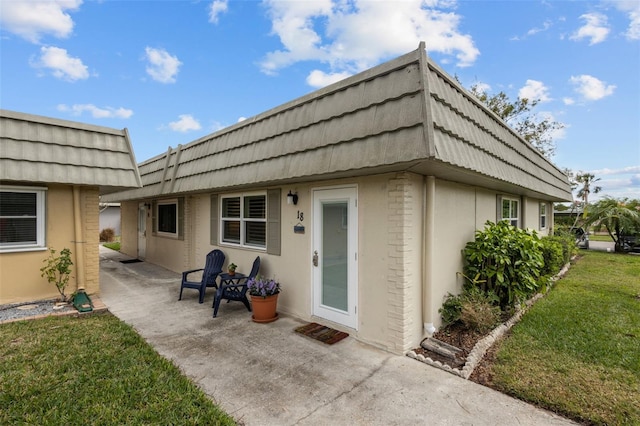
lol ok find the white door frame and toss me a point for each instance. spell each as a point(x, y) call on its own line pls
point(142, 231)
point(324, 196)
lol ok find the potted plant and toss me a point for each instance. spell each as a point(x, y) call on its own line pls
point(232, 268)
point(264, 298)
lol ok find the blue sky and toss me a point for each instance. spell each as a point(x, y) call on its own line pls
point(174, 71)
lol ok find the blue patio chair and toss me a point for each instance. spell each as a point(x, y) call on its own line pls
point(212, 268)
point(234, 287)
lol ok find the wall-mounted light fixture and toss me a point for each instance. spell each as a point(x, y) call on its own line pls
point(292, 198)
point(147, 205)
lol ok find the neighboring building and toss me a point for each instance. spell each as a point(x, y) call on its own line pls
point(51, 175)
point(110, 217)
point(394, 170)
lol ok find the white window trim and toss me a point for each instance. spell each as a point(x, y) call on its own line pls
point(41, 219)
point(242, 220)
point(543, 215)
point(164, 203)
point(511, 218)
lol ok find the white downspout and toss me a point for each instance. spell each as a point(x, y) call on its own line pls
point(79, 240)
point(428, 196)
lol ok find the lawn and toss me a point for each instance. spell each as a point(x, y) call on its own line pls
point(577, 351)
point(93, 370)
point(113, 246)
point(601, 237)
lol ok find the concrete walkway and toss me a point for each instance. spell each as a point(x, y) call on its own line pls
point(266, 374)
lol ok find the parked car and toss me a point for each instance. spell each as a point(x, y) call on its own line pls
point(582, 237)
point(630, 243)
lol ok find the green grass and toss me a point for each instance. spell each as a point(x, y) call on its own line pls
point(113, 246)
point(577, 351)
point(600, 237)
point(93, 370)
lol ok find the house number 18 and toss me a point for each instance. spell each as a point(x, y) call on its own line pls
point(300, 216)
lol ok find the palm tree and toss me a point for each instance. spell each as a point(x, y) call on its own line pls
point(586, 180)
point(617, 217)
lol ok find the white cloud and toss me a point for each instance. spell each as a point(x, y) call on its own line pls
point(591, 88)
point(545, 26)
point(596, 28)
point(622, 182)
point(96, 112)
point(622, 171)
point(62, 65)
point(355, 35)
point(627, 187)
point(216, 8)
point(241, 119)
point(185, 123)
point(319, 78)
point(33, 19)
point(632, 9)
point(534, 90)
point(162, 66)
point(482, 87)
point(568, 101)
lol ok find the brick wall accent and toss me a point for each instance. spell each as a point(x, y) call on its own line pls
point(89, 199)
point(400, 275)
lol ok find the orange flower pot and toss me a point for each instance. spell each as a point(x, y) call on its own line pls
point(264, 308)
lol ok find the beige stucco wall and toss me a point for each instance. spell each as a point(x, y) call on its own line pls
point(20, 279)
point(531, 208)
point(391, 212)
point(172, 253)
point(390, 256)
point(459, 211)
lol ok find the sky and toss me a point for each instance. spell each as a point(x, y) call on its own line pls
point(172, 72)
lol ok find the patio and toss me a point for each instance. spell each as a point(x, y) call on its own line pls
point(268, 374)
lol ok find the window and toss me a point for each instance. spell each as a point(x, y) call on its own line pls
point(243, 220)
point(168, 218)
point(543, 216)
point(510, 210)
point(22, 218)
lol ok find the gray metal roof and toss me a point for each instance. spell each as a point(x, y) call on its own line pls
point(36, 149)
point(406, 114)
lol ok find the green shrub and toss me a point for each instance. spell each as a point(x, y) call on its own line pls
point(507, 260)
point(568, 241)
point(474, 309)
point(451, 309)
point(107, 235)
point(57, 270)
point(552, 254)
point(479, 310)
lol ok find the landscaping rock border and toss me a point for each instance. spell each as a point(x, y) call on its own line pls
point(483, 345)
point(44, 308)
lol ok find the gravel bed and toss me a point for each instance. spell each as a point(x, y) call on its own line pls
point(29, 309)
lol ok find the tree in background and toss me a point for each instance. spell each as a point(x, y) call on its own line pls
point(533, 128)
point(586, 182)
point(620, 218)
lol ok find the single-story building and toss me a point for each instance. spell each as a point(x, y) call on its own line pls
point(52, 173)
point(358, 197)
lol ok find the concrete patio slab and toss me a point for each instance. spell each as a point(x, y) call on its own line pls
point(266, 374)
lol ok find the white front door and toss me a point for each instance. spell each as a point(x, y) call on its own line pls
point(142, 231)
point(335, 262)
